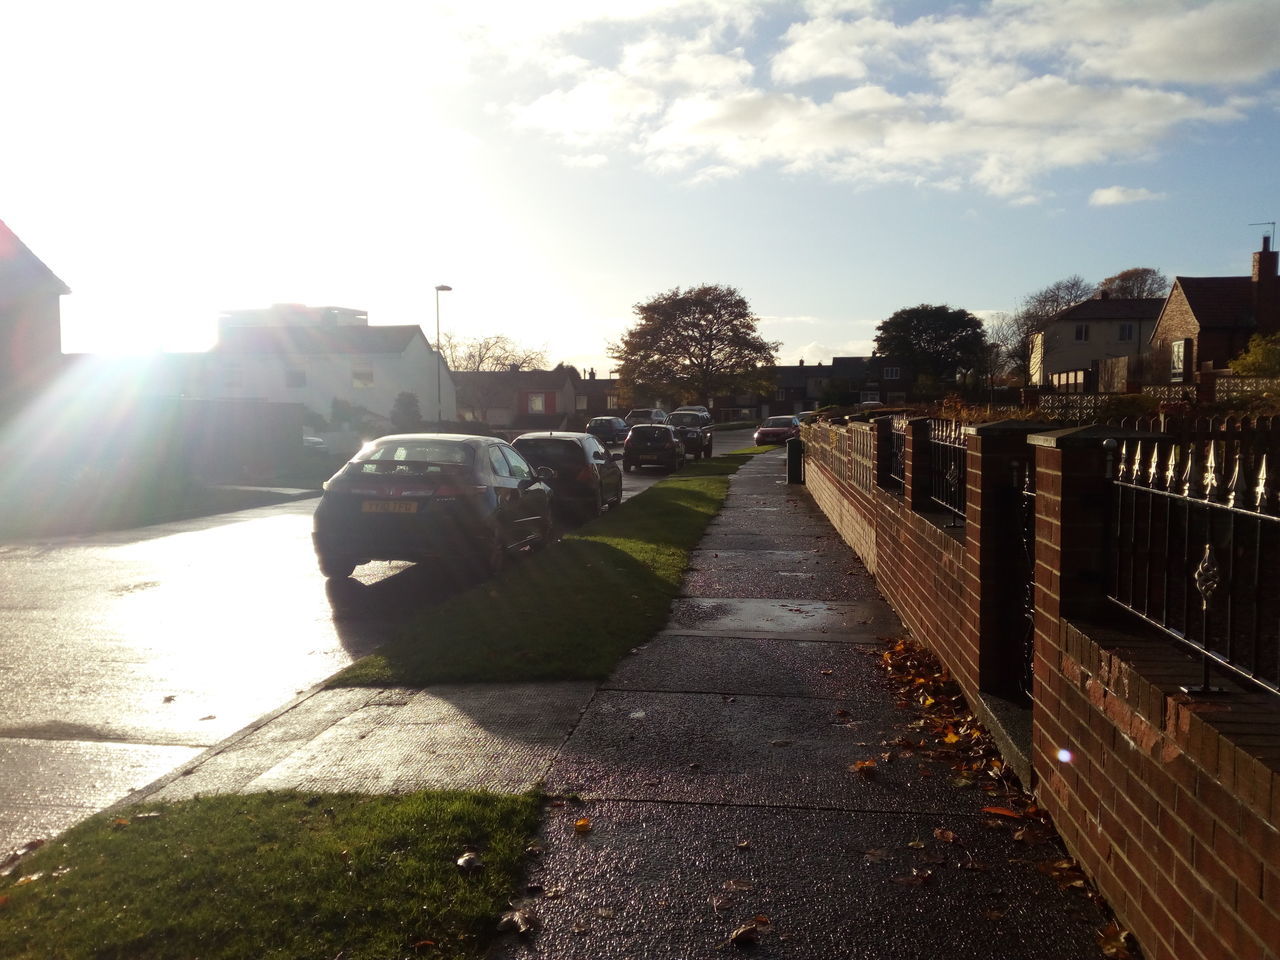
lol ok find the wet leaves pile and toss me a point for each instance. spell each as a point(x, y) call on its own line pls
point(944, 732)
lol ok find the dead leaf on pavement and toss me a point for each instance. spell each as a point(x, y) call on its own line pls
point(744, 844)
point(876, 856)
point(946, 836)
point(29, 878)
point(582, 825)
point(865, 768)
point(917, 878)
point(522, 920)
point(738, 885)
point(1113, 941)
point(747, 935)
point(916, 844)
point(1003, 812)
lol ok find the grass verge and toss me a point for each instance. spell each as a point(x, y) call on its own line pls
point(571, 613)
point(280, 875)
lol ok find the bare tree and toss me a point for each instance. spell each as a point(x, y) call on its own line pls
point(489, 353)
point(1056, 297)
point(1136, 283)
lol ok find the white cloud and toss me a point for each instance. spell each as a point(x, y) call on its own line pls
point(1118, 196)
point(585, 161)
point(996, 97)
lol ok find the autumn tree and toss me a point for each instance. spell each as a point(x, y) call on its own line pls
point(694, 345)
point(1261, 359)
point(933, 340)
point(1136, 283)
point(477, 354)
point(406, 415)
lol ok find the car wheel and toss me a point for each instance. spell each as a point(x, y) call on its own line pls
point(337, 568)
point(628, 466)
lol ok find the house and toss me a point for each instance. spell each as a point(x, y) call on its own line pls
point(519, 399)
point(846, 380)
point(318, 355)
point(1076, 339)
point(30, 319)
point(1207, 321)
point(599, 397)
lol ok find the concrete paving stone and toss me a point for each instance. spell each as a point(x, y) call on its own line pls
point(315, 714)
point(763, 667)
point(458, 737)
point(55, 784)
point(652, 881)
point(750, 750)
point(226, 771)
point(859, 620)
point(831, 574)
point(769, 538)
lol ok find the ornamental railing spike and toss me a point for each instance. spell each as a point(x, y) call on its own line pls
point(1153, 470)
point(1262, 489)
point(1190, 475)
point(1212, 479)
point(1122, 475)
point(1233, 485)
point(1171, 472)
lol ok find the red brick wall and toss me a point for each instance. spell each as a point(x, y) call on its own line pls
point(1171, 802)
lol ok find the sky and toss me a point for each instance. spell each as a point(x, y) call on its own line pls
point(558, 162)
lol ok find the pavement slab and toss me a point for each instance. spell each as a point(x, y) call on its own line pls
point(661, 881)
point(859, 621)
point(751, 751)
point(813, 574)
point(763, 666)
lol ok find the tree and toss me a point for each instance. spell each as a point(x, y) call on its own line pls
point(406, 415)
point(1136, 283)
point(693, 345)
point(489, 353)
point(933, 340)
point(1261, 359)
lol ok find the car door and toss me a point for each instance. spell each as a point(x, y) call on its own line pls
point(531, 506)
point(607, 470)
point(506, 489)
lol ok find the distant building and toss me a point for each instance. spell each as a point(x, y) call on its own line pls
point(520, 399)
point(1103, 327)
point(30, 319)
point(1209, 320)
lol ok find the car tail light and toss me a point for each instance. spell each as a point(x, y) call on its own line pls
point(586, 475)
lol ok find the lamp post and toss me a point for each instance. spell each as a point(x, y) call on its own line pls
point(439, 369)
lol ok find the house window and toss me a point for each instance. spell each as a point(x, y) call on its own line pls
point(580, 401)
point(780, 394)
point(1082, 332)
point(611, 401)
point(537, 403)
point(362, 377)
point(1177, 362)
point(893, 373)
point(295, 378)
point(1126, 332)
point(869, 395)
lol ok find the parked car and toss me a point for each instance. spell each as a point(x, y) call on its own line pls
point(777, 430)
point(587, 476)
point(608, 429)
point(694, 431)
point(316, 444)
point(652, 444)
point(645, 415)
point(696, 408)
point(416, 496)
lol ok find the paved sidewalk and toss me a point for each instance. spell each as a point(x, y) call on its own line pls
point(713, 768)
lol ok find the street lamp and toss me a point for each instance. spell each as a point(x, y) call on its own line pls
point(439, 369)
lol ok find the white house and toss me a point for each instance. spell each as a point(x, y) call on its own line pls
point(313, 356)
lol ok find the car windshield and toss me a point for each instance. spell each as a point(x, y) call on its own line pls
point(685, 420)
point(638, 413)
point(549, 451)
point(778, 422)
point(412, 456)
point(600, 422)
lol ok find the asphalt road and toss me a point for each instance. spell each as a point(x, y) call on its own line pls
point(125, 654)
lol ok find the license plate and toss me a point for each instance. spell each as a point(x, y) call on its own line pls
point(649, 458)
point(389, 506)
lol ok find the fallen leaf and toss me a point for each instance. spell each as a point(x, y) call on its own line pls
point(29, 878)
point(744, 844)
point(170, 698)
point(1003, 812)
point(747, 935)
point(876, 856)
point(946, 836)
point(738, 885)
point(993, 914)
point(1113, 941)
point(827, 673)
point(865, 768)
point(4, 900)
point(582, 825)
point(605, 913)
point(468, 861)
point(120, 822)
point(522, 920)
point(917, 878)
point(210, 717)
point(916, 844)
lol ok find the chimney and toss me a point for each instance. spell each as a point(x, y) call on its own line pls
point(802, 361)
point(1266, 298)
point(591, 373)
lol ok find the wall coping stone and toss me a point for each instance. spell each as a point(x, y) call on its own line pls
point(1087, 436)
point(1009, 427)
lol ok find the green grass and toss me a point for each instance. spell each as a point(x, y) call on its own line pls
point(572, 612)
point(280, 875)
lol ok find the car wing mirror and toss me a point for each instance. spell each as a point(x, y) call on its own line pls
point(545, 473)
point(616, 456)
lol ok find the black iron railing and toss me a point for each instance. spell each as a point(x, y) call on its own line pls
point(897, 472)
point(948, 464)
point(1197, 546)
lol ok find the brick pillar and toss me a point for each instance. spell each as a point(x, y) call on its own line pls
point(996, 576)
point(915, 477)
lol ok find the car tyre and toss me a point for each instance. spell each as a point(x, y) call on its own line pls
point(628, 466)
point(337, 568)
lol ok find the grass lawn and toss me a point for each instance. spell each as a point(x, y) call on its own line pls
point(572, 612)
point(281, 875)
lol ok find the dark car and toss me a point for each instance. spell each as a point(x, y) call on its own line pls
point(587, 476)
point(608, 429)
point(777, 430)
point(694, 431)
point(645, 415)
point(416, 496)
point(652, 444)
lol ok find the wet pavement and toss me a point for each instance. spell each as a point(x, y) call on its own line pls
point(714, 770)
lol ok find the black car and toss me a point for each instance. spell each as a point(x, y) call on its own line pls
point(652, 444)
point(694, 431)
point(416, 496)
point(587, 478)
point(608, 429)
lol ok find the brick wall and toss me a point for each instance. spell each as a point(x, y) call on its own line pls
point(1171, 802)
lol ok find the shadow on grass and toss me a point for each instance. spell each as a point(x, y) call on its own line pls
point(570, 613)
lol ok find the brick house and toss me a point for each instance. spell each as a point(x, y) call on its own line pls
point(30, 319)
point(1209, 320)
point(519, 399)
point(599, 397)
point(1094, 330)
point(803, 386)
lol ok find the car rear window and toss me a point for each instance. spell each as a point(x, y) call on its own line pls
point(601, 422)
point(685, 419)
point(412, 457)
point(648, 432)
point(778, 422)
point(549, 451)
